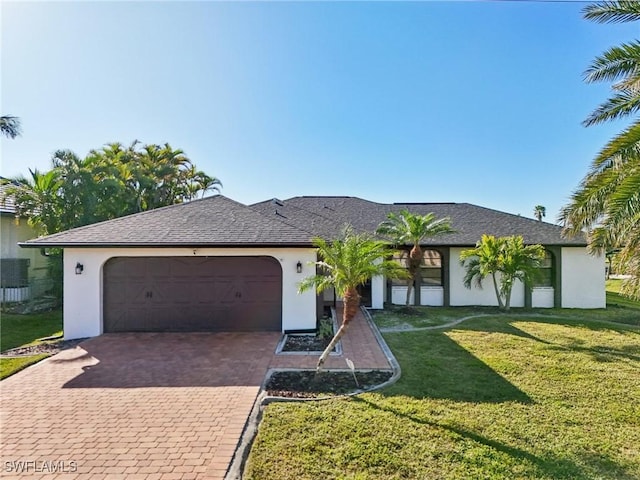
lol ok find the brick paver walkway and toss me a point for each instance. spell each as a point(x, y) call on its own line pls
point(147, 406)
point(358, 344)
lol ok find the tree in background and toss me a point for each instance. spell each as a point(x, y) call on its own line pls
point(345, 264)
point(107, 183)
point(540, 212)
point(607, 202)
point(406, 228)
point(10, 126)
point(505, 259)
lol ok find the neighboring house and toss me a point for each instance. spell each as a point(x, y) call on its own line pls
point(216, 264)
point(19, 267)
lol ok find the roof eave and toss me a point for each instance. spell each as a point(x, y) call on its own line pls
point(161, 245)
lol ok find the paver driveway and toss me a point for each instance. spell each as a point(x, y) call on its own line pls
point(134, 406)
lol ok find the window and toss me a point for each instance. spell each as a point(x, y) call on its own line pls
point(431, 270)
point(546, 272)
point(14, 272)
point(401, 258)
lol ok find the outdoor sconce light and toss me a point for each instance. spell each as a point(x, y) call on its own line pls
point(299, 267)
point(79, 268)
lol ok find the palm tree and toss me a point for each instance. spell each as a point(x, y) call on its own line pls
point(504, 256)
point(199, 182)
point(345, 264)
point(10, 126)
point(540, 212)
point(406, 228)
point(607, 201)
point(37, 198)
point(484, 260)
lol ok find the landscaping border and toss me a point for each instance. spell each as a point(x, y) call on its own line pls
point(238, 462)
point(337, 350)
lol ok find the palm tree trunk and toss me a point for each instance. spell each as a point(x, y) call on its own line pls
point(415, 260)
point(495, 286)
point(409, 288)
point(349, 310)
point(507, 304)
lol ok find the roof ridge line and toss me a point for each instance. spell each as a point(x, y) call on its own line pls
point(280, 219)
point(513, 215)
point(116, 219)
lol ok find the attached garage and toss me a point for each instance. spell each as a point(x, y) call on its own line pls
point(192, 294)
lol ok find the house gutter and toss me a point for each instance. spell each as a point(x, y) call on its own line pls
point(163, 245)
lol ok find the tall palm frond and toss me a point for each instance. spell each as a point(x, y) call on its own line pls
point(613, 11)
point(406, 228)
point(10, 126)
point(606, 204)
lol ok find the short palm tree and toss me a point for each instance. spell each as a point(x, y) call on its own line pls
point(482, 261)
point(607, 201)
point(540, 212)
point(10, 126)
point(507, 257)
point(345, 264)
point(406, 228)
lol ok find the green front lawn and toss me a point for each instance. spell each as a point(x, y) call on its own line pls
point(619, 309)
point(419, 317)
point(614, 299)
point(22, 330)
point(9, 366)
point(497, 397)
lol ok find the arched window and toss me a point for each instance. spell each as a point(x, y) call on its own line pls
point(431, 270)
point(546, 277)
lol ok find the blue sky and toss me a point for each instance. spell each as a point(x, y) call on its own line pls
point(465, 101)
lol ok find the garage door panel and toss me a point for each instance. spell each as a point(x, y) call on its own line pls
point(192, 294)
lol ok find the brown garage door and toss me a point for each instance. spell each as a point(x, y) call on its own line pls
point(192, 294)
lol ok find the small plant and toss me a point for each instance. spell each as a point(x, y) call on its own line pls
point(352, 367)
point(325, 328)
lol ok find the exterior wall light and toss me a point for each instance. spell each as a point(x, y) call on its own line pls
point(299, 267)
point(79, 268)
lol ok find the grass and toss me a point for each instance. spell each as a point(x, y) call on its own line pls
point(418, 317)
point(619, 309)
point(615, 299)
point(9, 366)
point(23, 330)
point(498, 397)
point(613, 285)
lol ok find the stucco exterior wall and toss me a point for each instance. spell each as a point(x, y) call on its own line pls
point(542, 297)
point(10, 235)
point(83, 293)
point(378, 290)
point(485, 296)
point(429, 296)
point(583, 279)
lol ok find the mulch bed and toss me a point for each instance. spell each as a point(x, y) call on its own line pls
point(48, 347)
point(308, 384)
point(305, 343)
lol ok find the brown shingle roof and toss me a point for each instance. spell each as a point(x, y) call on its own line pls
point(213, 221)
point(327, 215)
point(220, 221)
